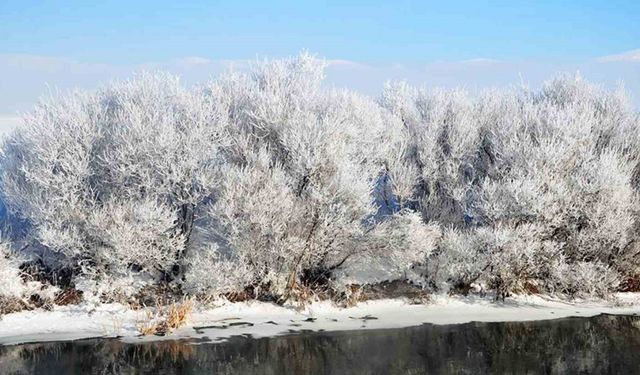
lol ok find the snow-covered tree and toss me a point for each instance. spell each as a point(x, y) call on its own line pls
point(296, 196)
point(551, 175)
point(110, 179)
point(441, 162)
point(278, 173)
point(267, 179)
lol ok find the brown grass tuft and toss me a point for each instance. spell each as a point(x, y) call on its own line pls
point(179, 314)
point(9, 305)
point(241, 296)
point(69, 296)
point(165, 321)
point(630, 284)
point(149, 325)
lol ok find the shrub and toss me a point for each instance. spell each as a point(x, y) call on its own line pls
point(553, 175)
point(266, 181)
point(11, 284)
point(295, 197)
point(17, 290)
point(113, 192)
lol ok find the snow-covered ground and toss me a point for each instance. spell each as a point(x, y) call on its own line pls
point(260, 319)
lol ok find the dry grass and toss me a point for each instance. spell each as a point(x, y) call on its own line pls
point(179, 314)
point(69, 296)
point(354, 294)
point(10, 305)
point(630, 284)
point(247, 294)
point(148, 324)
point(114, 328)
point(165, 320)
point(298, 293)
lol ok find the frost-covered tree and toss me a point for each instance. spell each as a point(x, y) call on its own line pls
point(278, 175)
point(566, 161)
point(268, 180)
point(441, 162)
point(296, 197)
point(109, 180)
point(551, 176)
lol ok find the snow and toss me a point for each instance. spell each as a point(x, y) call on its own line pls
point(260, 319)
point(68, 323)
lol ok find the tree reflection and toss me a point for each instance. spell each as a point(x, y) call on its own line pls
point(603, 344)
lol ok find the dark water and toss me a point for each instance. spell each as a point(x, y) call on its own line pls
point(601, 345)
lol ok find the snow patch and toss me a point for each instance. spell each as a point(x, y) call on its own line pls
point(260, 319)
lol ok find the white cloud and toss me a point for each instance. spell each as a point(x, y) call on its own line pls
point(193, 61)
point(629, 56)
point(480, 61)
point(338, 63)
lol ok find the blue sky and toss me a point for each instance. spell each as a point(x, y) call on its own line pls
point(65, 44)
point(368, 31)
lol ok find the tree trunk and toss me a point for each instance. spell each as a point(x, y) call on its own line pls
point(186, 217)
point(186, 220)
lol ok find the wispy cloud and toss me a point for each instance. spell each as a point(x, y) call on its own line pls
point(193, 61)
point(338, 63)
point(629, 56)
point(480, 61)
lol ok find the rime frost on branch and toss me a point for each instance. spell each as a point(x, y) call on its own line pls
point(268, 180)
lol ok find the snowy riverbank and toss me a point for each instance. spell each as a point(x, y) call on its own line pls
point(260, 319)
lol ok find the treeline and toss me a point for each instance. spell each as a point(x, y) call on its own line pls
point(268, 184)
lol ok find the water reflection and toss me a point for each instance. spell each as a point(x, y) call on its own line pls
point(602, 345)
